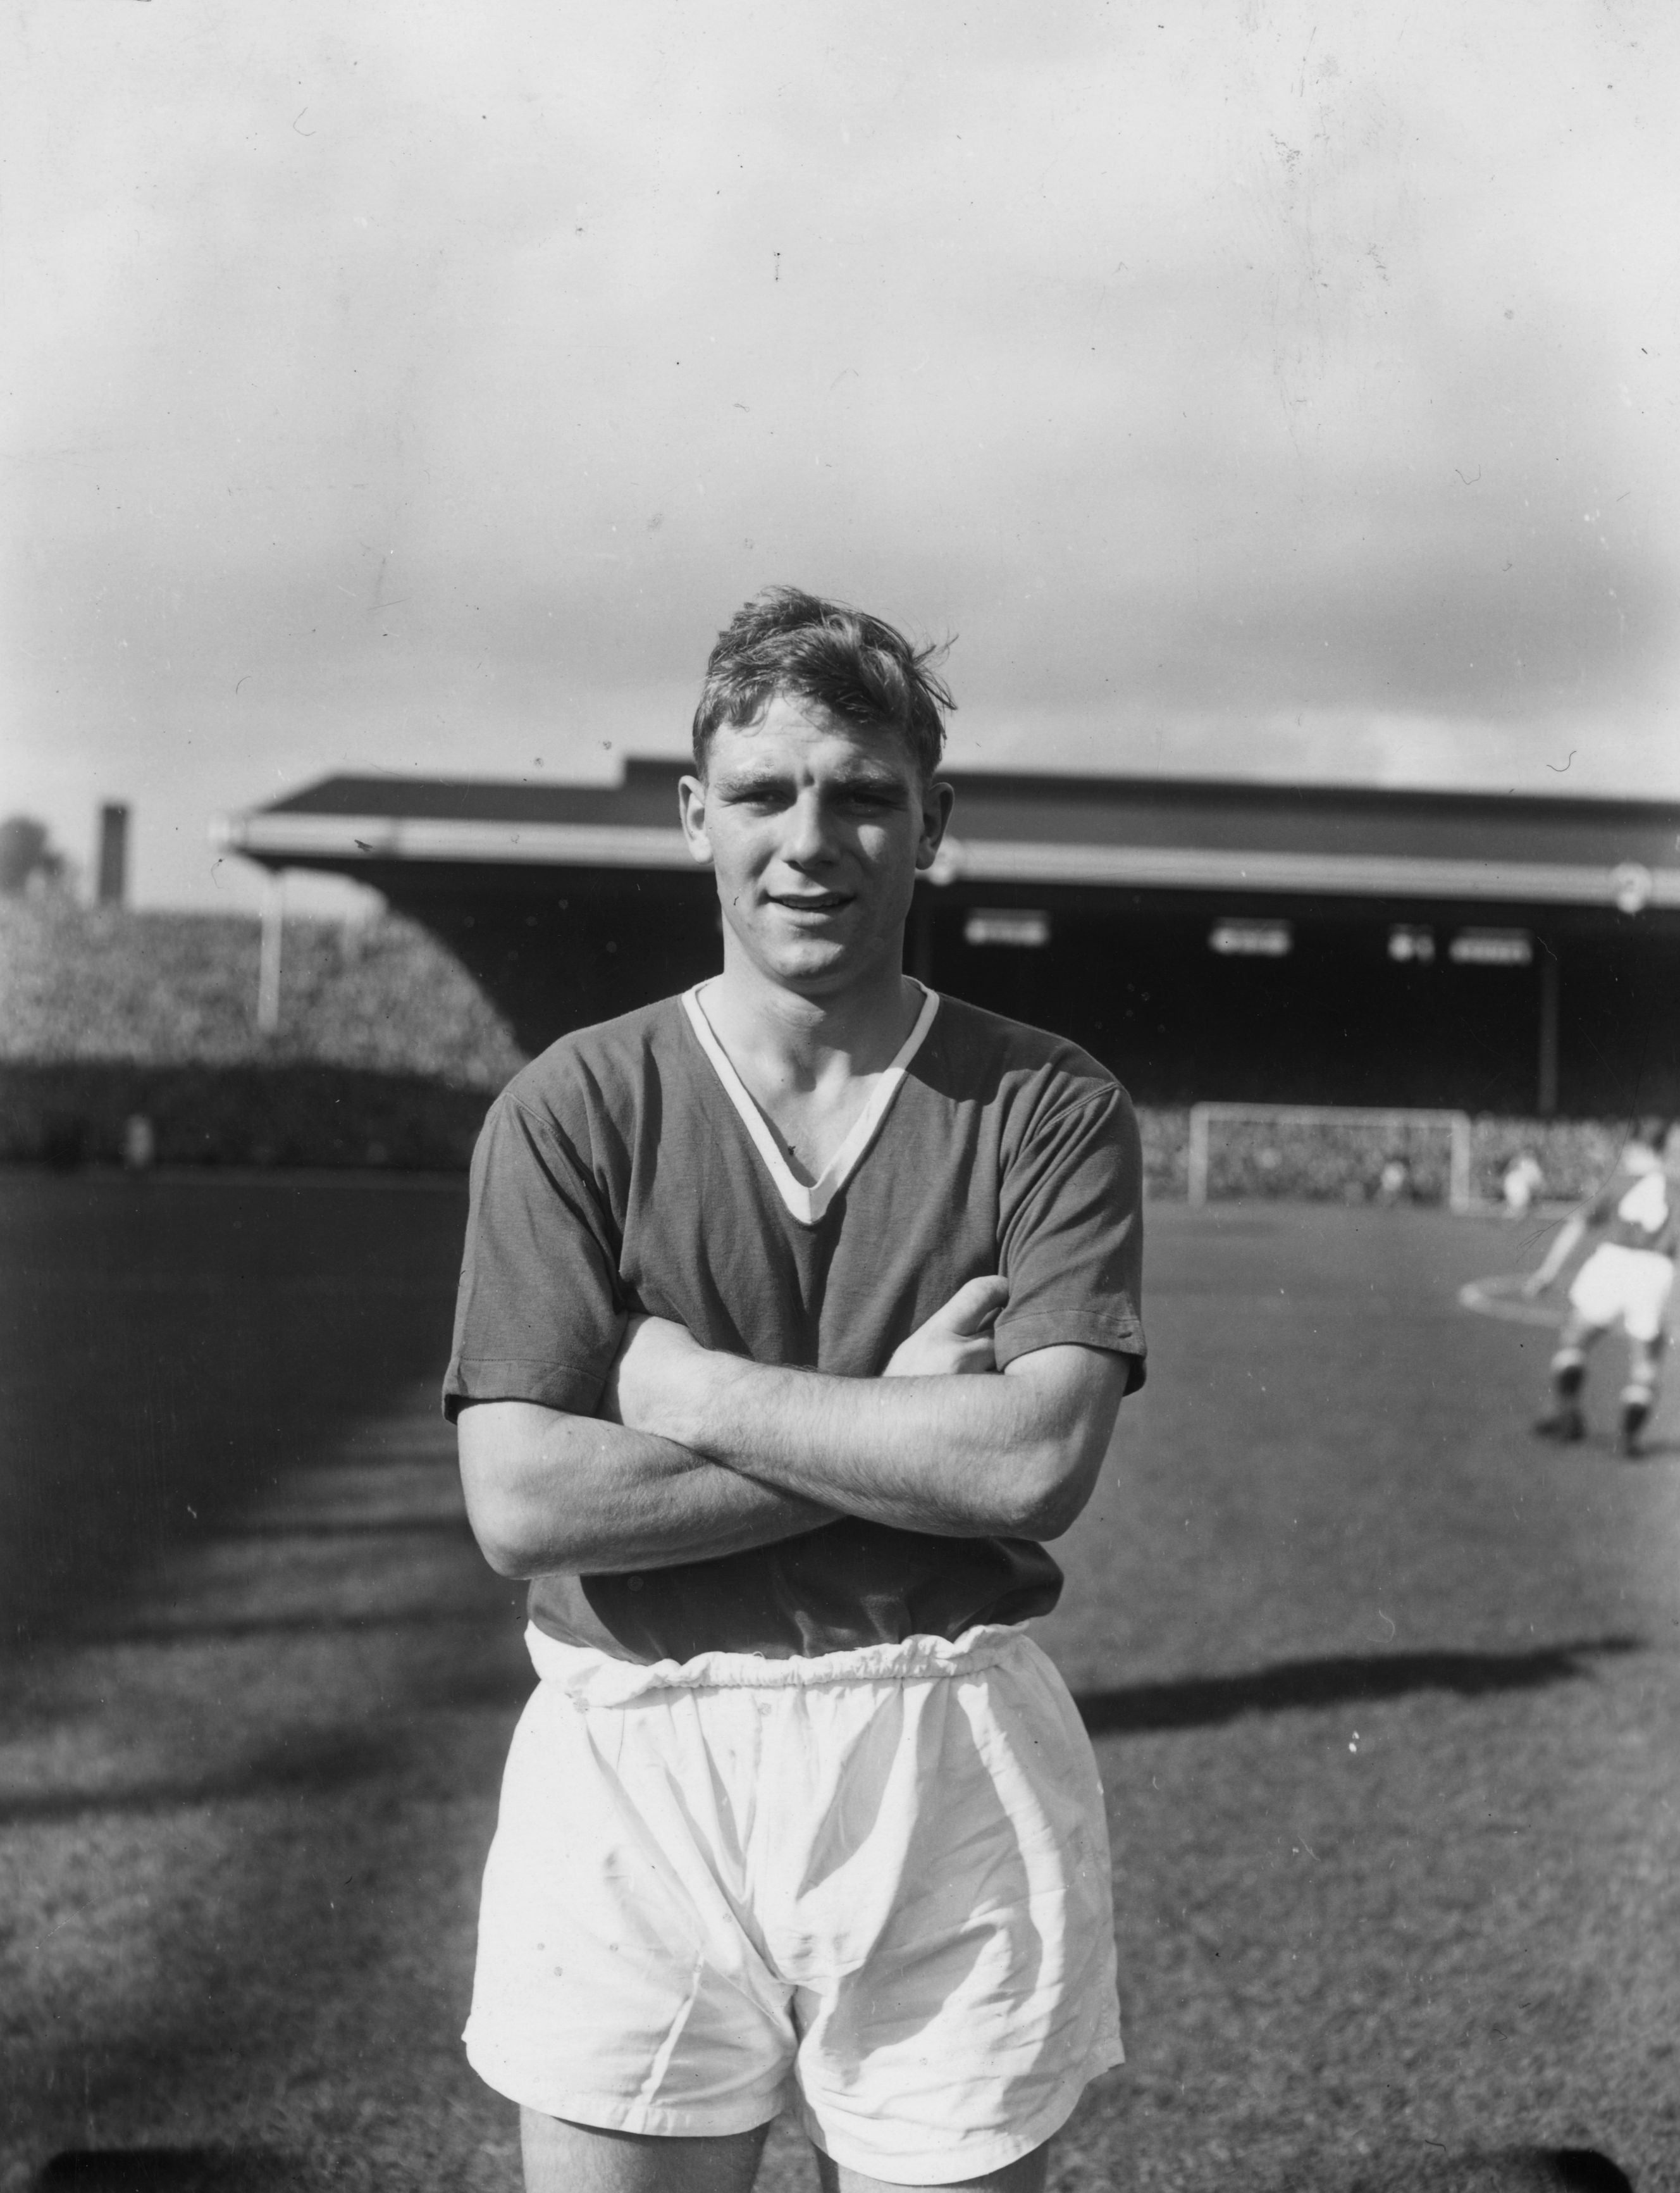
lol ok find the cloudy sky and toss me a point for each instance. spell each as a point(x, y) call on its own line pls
point(1250, 387)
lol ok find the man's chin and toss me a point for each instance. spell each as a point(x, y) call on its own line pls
point(818, 961)
point(806, 966)
point(814, 966)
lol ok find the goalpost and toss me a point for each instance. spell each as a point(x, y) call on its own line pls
point(1326, 1149)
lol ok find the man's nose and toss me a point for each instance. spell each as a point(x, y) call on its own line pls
point(809, 837)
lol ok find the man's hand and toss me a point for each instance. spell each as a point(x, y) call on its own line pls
point(956, 1341)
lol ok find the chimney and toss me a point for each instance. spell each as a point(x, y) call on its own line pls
point(113, 880)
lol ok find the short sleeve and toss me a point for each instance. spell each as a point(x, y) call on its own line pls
point(539, 1316)
point(1072, 1246)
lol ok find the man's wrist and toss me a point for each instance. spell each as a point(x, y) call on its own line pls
point(705, 1404)
point(737, 1414)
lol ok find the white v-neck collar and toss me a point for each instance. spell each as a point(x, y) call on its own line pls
point(809, 1204)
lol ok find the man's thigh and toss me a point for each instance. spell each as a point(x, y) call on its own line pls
point(1580, 1332)
point(574, 2158)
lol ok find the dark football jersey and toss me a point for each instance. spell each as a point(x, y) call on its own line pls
point(626, 1170)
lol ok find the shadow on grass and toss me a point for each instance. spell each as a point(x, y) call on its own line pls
point(1346, 1679)
point(168, 2170)
point(327, 1528)
point(1434, 2168)
point(187, 1629)
point(174, 1349)
point(302, 1768)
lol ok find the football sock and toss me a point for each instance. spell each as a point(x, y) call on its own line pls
point(1636, 1414)
point(1569, 1374)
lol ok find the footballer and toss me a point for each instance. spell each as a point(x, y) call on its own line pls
point(795, 1317)
point(1626, 1280)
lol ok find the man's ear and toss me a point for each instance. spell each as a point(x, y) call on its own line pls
point(691, 806)
point(937, 801)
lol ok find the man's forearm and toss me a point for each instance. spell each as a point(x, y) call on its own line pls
point(1568, 1238)
point(959, 1457)
point(547, 1492)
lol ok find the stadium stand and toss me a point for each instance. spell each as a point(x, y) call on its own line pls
point(1222, 941)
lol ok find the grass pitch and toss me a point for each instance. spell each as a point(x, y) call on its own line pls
point(1385, 1695)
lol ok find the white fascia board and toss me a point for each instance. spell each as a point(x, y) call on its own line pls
point(1342, 875)
point(272, 837)
point(277, 836)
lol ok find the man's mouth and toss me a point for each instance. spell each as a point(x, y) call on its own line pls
point(811, 903)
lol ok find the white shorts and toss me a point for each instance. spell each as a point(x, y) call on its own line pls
point(873, 1887)
point(1626, 1286)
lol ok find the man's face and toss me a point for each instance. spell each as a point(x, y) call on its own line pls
point(816, 829)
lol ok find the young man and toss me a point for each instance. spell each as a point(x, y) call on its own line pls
point(796, 1314)
point(1627, 1280)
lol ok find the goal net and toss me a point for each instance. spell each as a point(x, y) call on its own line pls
point(1329, 1153)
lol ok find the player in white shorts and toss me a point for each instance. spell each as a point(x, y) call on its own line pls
point(796, 1316)
point(1627, 1280)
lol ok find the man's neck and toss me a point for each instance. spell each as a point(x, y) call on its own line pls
point(797, 1042)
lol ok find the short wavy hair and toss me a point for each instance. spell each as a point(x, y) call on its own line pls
point(787, 642)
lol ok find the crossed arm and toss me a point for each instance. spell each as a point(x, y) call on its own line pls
point(697, 1453)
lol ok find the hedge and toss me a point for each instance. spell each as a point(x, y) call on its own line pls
point(71, 1114)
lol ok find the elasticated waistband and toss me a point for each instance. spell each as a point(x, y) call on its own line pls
point(595, 1678)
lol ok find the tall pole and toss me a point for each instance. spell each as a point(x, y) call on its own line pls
point(1548, 1030)
point(1195, 1176)
point(112, 887)
point(268, 963)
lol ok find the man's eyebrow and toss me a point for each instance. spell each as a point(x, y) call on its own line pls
point(864, 778)
point(739, 783)
point(747, 782)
